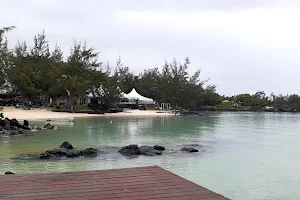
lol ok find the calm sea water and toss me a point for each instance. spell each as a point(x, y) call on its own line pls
point(247, 155)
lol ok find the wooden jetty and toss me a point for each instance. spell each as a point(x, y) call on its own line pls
point(115, 184)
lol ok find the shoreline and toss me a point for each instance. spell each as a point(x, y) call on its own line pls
point(44, 114)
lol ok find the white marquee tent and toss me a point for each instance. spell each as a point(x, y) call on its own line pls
point(133, 96)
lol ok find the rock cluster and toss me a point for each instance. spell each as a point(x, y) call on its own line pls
point(12, 127)
point(66, 150)
point(42, 128)
point(135, 150)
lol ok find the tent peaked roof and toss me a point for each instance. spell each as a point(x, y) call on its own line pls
point(134, 95)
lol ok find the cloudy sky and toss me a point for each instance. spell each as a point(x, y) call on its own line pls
point(242, 45)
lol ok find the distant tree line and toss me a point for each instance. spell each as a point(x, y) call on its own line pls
point(36, 71)
point(260, 101)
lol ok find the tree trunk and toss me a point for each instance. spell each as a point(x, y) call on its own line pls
point(71, 102)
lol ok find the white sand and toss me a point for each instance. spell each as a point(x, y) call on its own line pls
point(42, 114)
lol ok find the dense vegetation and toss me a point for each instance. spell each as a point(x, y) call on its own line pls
point(37, 71)
point(260, 102)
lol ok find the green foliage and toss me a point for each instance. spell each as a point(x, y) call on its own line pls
point(1, 115)
point(33, 71)
point(210, 97)
point(110, 89)
point(177, 87)
point(5, 54)
point(125, 77)
point(274, 103)
point(81, 107)
point(61, 107)
point(78, 73)
point(257, 100)
point(155, 108)
point(147, 83)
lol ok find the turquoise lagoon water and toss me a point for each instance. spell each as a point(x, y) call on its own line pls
point(245, 155)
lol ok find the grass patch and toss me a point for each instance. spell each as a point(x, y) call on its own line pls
point(81, 107)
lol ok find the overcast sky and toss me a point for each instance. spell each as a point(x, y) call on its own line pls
point(242, 45)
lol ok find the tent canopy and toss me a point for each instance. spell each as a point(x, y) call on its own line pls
point(136, 96)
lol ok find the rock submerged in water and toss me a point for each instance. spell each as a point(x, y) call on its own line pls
point(26, 123)
point(8, 172)
point(66, 150)
point(196, 145)
point(135, 150)
point(43, 128)
point(189, 149)
point(12, 124)
point(130, 150)
point(46, 127)
point(157, 147)
point(89, 152)
point(66, 145)
point(149, 151)
point(13, 127)
point(15, 132)
point(60, 152)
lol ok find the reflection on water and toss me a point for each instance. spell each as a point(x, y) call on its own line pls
point(247, 155)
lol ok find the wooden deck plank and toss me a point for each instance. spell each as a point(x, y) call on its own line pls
point(104, 187)
point(115, 184)
point(126, 185)
point(87, 180)
point(116, 192)
point(109, 172)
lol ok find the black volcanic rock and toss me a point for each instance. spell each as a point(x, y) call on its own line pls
point(135, 150)
point(66, 145)
point(89, 152)
point(11, 127)
point(66, 150)
point(149, 151)
point(130, 150)
point(157, 147)
point(59, 153)
point(189, 149)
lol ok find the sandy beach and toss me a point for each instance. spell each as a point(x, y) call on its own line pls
point(43, 114)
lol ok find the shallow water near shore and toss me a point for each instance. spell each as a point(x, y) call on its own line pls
point(246, 155)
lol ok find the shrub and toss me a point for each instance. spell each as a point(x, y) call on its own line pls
point(255, 108)
point(81, 107)
point(153, 108)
